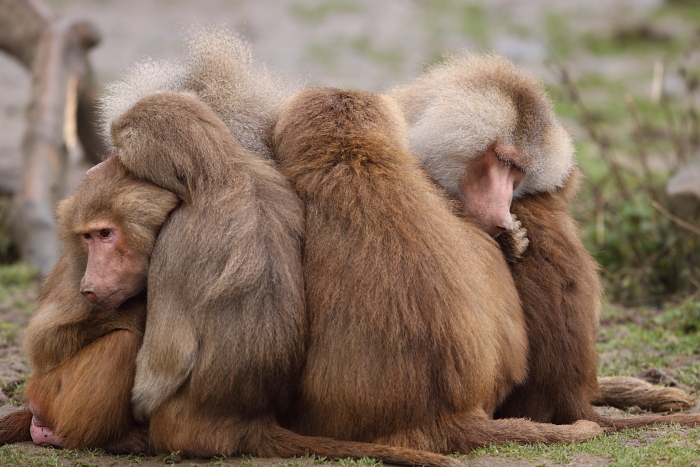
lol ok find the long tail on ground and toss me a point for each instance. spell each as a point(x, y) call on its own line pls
point(16, 427)
point(625, 391)
point(274, 441)
point(472, 433)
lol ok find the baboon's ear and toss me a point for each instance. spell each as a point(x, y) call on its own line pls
point(102, 166)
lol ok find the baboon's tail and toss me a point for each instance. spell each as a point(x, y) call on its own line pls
point(275, 441)
point(16, 427)
point(625, 391)
point(471, 432)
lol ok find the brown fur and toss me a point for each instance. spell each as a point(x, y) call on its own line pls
point(83, 357)
point(556, 270)
point(225, 340)
point(14, 427)
point(456, 112)
point(411, 344)
point(626, 391)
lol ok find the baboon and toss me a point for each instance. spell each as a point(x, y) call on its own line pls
point(223, 73)
point(83, 337)
point(218, 66)
point(486, 132)
point(416, 330)
point(226, 329)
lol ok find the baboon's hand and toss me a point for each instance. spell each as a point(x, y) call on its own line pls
point(514, 242)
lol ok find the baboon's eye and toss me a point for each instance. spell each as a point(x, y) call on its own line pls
point(86, 236)
point(504, 160)
point(105, 233)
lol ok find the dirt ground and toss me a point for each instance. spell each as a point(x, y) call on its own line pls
point(361, 44)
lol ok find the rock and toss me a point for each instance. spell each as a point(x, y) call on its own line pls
point(656, 376)
point(684, 192)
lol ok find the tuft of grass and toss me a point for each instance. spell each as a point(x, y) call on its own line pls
point(14, 389)
point(365, 461)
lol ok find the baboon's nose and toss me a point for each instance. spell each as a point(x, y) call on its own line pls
point(91, 297)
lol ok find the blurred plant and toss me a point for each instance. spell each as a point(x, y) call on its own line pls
point(16, 277)
point(647, 254)
point(685, 317)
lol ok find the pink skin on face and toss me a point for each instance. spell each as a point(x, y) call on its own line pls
point(42, 435)
point(487, 188)
point(114, 272)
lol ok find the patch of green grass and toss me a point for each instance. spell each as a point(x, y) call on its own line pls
point(629, 448)
point(8, 332)
point(16, 277)
point(14, 389)
point(296, 463)
point(247, 461)
point(16, 282)
point(12, 455)
point(660, 339)
point(318, 13)
point(365, 461)
point(684, 317)
point(18, 274)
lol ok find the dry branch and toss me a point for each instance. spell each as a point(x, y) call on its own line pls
point(61, 112)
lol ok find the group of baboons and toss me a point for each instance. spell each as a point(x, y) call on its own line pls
point(321, 271)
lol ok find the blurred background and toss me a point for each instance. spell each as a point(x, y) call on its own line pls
point(623, 75)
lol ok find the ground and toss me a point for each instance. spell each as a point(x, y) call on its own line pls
point(611, 46)
point(630, 340)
